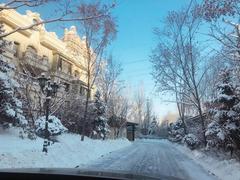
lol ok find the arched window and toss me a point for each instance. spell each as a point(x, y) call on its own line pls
point(60, 60)
point(67, 87)
point(76, 74)
point(16, 47)
point(35, 21)
point(45, 60)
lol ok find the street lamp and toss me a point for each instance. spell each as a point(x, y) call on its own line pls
point(42, 81)
point(49, 89)
point(54, 87)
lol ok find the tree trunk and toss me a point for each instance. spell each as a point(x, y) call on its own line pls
point(202, 123)
point(85, 116)
point(46, 133)
point(182, 117)
point(88, 90)
point(181, 112)
point(200, 113)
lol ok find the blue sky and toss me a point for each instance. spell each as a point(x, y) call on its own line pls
point(135, 40)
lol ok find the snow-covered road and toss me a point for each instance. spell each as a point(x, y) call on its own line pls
point(152, 157)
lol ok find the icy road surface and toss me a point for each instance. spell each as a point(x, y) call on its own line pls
point(154, 158)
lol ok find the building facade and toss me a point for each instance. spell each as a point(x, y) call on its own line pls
point(36, 51)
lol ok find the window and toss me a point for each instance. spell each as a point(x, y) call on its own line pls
point(81, 91)
point(66, 67)
point(69, 69)
point(76, 74)
point(16, 47)
point(45, 59)
point(60, 64)
point(67, 87)
point(35, 21)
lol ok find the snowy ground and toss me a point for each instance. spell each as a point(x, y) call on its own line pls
point(148, 157)
point(219, 166)
point(68, 153)
point(155, 158)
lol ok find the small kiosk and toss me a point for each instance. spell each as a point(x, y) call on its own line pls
point(131, 130)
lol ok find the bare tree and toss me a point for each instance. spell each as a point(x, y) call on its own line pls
point(65, 11)
point(119, 105)
point(212, 10)
point(15, 4)
point(225, 30)
point(111, 87)
point(138, 108)
point(168, 77)
point(98, 34)
point(71, 113)
point(178, 64)
point(148, 114)
point(118, 112)
point(107, 81)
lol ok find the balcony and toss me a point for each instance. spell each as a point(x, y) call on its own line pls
point(8, 50)
point(36, 60)
point(62, 75)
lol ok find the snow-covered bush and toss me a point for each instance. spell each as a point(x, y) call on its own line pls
point(191, 141)
point(10, 105)
point(55, 126)
point(176, 131)
point(215, 135)
point(224, 130)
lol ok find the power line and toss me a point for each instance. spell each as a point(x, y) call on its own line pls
point(136, 75)
point(137, 61)
point(127, 71)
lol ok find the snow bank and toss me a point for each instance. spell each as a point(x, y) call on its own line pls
point(223, 169)
point(69, 152)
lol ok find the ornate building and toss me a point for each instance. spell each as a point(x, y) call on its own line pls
point(36, 50)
